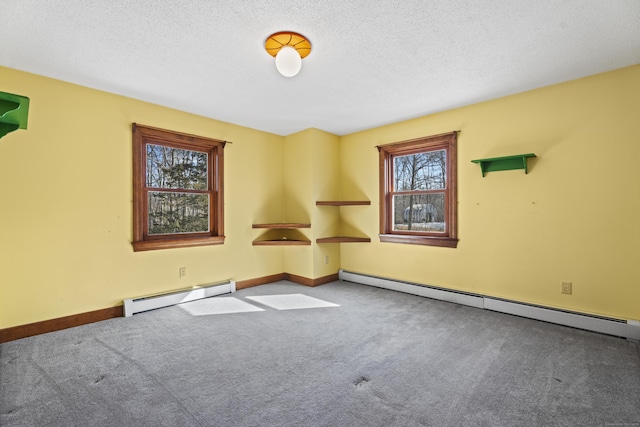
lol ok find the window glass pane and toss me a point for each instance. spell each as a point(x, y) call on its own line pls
point(427, 214)
point(421, 171)
point(176, 168)
point(171, 213)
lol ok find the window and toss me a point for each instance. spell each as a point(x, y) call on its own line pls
point(418, 191)
point(177, 189)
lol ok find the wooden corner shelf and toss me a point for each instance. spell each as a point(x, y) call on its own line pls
point(343, 202)
point(504, 163)
point(282, 225)
point(281, 242)
point(280, 239)
point(343, 239)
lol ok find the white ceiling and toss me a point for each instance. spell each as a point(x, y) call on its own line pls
point(373, 62)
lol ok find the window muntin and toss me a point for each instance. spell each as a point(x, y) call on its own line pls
point(418, 191)
point(178, 197)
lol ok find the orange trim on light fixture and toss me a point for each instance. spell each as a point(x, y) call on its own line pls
point(277, 41)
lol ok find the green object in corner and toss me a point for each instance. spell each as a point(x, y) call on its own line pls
point(14, 112)
point(504, 163)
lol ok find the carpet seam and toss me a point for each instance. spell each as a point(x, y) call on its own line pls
point(152, 377)
point(67, 399)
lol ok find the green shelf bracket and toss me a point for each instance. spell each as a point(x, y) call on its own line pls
point(504, 163)
point(14, 111)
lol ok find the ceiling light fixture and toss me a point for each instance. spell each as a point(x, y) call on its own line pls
point(288, 48)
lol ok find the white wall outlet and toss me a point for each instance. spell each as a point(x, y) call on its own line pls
point(182, 272)
point(566, 288)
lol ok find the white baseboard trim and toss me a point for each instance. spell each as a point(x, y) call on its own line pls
point(151, 302)
point(412, 288)
point(621, 328)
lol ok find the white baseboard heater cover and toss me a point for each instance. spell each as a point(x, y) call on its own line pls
point(151, 302)
point(621, 328)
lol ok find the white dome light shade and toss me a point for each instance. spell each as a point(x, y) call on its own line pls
point(288, 61)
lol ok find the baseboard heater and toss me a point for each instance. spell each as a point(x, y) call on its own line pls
point(621, 328)
point(151, 302)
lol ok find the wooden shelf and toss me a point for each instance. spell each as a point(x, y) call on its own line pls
point(282, 225)
point(280, 238)
point(343, 202)
point(343, 239)
point(518, 161)
point(281, 242)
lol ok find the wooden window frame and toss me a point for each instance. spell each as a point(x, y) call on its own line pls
point(142, 241)
point(448, 238)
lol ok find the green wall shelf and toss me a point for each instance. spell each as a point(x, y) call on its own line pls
point(14, 111)
point(504, 163)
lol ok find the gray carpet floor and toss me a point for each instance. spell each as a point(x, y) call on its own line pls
point(340, 354)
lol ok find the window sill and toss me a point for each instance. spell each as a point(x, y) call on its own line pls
point(445, 242)
point(149, 245)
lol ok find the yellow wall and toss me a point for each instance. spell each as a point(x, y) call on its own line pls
point(575, 216)
point(65, 215)
point(326, 186)
point(298, 180)
point(66, 204)
point(311, 173)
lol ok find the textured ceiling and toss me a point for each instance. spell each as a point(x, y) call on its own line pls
point(372, 63)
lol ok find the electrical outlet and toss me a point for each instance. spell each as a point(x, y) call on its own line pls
point(182, 272)
point(326, 259)
point(566, 288)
